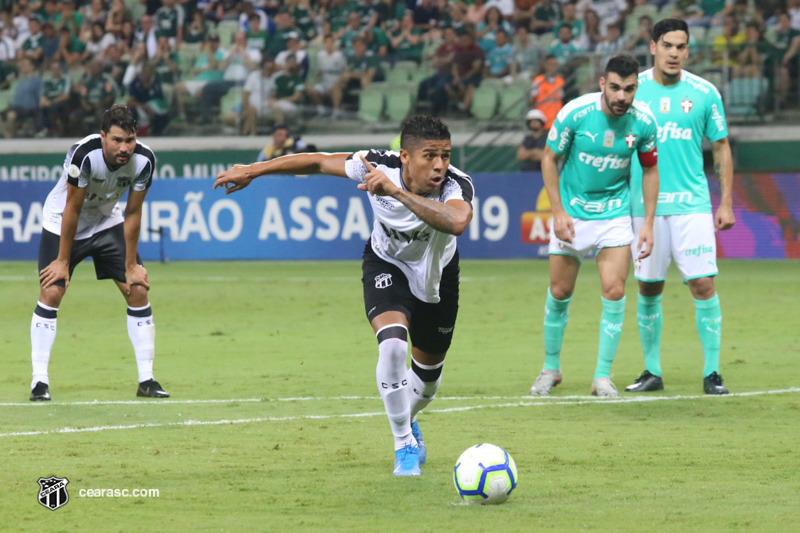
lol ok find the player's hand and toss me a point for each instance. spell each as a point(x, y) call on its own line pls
point(53, 272)
point(136, 275)
point(376, 182)
point(645, 244)
point(234, 179)
point(563, 227)
point(725, 219)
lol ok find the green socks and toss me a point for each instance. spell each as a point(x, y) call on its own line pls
point(650, 321)
point(556, 315)
point(708, 317)
point(610, 331)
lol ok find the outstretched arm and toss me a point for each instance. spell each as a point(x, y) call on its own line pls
point(239, 176)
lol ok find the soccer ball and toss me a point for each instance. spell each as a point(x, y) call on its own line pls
point(485, 474)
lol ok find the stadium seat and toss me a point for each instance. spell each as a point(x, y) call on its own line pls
point(370, 105)
point(230, 101)
point(226, 29)
point(7, 95)
point(398, 104)
point(187, 55)
point(514, 101)
point(484, 103)
point(396, 75)
point(746, 96)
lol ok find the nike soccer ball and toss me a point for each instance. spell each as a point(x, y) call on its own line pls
point(485, 474)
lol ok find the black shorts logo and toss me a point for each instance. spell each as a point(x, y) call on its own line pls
point(53, 492)
point(383, 281)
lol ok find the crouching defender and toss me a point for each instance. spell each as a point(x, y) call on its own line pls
point(410, 263)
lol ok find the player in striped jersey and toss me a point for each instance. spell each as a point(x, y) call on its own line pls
point(81, 218)
point(410, 264)
point(687, 108)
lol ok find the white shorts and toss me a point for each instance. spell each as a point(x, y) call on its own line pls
point(687, 239)
point(593, 235)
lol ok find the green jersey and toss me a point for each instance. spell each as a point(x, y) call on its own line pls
point(597, 152)
point(686, 111)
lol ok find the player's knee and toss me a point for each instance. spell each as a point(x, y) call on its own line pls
point(52, 295)
point(702, 288)
point(137, 296)
point(560, 291)
point(614, 292)
point(651, 288)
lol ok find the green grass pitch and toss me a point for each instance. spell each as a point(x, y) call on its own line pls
point(298, 441)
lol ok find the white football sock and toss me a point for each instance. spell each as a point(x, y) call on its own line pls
point(391, 377)
point(43, 335)
point(142, 333)
point(423, 382)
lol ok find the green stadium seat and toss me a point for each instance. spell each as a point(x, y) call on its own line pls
point(226, 29)
point(514, 101)
point(396, 75)
point(399, 104)
point(370, 105)
point(187, 56)
point(229, 102)
point(746, 96)
point(484, 103)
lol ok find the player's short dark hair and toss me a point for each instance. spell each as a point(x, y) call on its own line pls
point(623, 65)
point(120, 116)
point(667, 25)
point(417, 128)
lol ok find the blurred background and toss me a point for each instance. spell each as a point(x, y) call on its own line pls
point(217, 82)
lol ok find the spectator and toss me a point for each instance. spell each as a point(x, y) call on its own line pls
point(257, 39)
point(563, 48)
point(138, 59)
point(117, 16)
point(336, 17)
point(8, 51)
point(304, 16)
point(32, 46)
point(425, 15)
point(546, 16)
point(98, 42)
point(349, 33)
point(50, 41)
point(466, 70)
point(530, 151)
point(569, 15)
point(25, 101)
point(283, 27)
point(592, 35)
point(96, 93)
point(610, 12)
point(238, 62)
point(362, 69)
point(289, 91)
point(168, 69)
point(488, 29)
point(8, 73)
point(68, 17)
point(500, 61)
point(146, 98)
point(49, 11)
point(256, 94)
point(114, 65)
point(613, 44)
point(752, 57)
point(433, 88)
point(54, 100)
point(547, 93)
point(196, 30)
point(331, 64)
point(523, 13)
point(95, 12)
point(293, 47)
point(458, 16)
point(506, 7)
point(147, 34)
point(406, 41)
point(127, 39)
point(640, 43)
point(169, 20)
point(476, 12)
point(70, 49)
point(282, 144)
point(252, 16)
point(207, 68)
point(787, 44)
point(527, 54)
point(726, 47)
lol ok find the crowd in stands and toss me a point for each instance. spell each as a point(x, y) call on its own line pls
point(251, 63)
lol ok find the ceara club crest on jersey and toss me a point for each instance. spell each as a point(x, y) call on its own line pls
point(630, 140)
point(383, 281)
point(53, 492)
point(686, 105)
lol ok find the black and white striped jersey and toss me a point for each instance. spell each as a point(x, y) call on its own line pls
point(86, 167)
point(401, 237)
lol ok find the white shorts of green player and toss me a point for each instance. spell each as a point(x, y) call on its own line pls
point(688, 240)
point(592, 236)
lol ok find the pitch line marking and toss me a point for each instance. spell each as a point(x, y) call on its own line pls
point(528, 403)
point(536, 399)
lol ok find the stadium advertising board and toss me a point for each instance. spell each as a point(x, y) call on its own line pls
point(286, 217)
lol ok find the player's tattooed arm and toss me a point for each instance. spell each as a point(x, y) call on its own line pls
point(723, 168)
point(452, 217)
